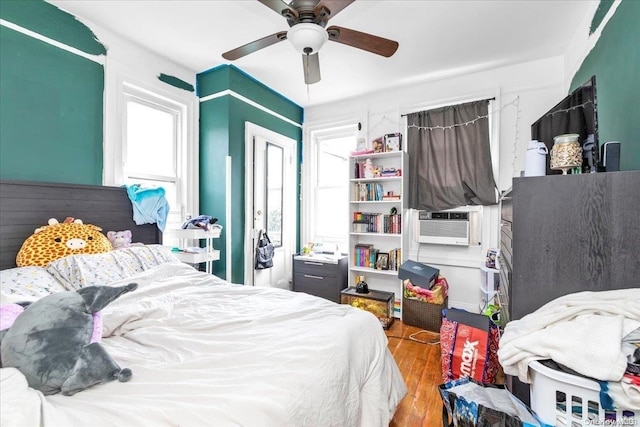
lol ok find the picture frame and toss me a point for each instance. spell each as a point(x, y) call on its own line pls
point(361, 144)
point(382, 261)
point(393, 142)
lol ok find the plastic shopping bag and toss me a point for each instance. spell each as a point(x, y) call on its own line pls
point(469, 346)
point(468, 403)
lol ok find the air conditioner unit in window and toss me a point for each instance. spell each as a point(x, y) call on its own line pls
point(444, 228)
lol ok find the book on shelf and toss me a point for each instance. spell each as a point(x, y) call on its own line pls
point(390, 172)
point(367, 192)
point(372, 222)
point(360, 226)
point(361, 152)
point(395, 259)
point(363, 254)
point(366, 255)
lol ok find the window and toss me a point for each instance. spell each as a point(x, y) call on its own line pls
point(274, 187)
point(328, 186)
point(153, 146)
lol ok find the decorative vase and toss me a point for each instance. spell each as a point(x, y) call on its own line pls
point(566, 152)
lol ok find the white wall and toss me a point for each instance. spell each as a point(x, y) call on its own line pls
point(523, 93)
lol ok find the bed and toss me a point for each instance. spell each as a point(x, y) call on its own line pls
point(202, 351)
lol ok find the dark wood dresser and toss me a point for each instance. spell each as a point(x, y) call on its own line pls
point(320, 275)
point(562, 234)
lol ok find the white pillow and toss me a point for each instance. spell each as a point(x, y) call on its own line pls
point(78, 271)
point(28, 281)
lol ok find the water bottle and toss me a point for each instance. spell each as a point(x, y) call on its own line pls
point(536, 160)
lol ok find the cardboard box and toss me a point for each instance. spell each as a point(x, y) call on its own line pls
point(420, 274)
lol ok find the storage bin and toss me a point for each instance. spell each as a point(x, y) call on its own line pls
point(423, 314)
point(562, 399)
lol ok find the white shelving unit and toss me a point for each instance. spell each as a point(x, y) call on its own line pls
point(488, 285)
point(375, 213)
point(185, 236)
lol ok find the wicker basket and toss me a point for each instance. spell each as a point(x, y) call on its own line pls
point(423, 314)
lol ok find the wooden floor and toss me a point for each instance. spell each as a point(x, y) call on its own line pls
point(422, 372)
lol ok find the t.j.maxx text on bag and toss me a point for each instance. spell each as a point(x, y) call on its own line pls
point(469, 346)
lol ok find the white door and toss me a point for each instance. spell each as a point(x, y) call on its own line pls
point(270, 203)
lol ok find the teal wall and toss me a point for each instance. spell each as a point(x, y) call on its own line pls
point(51, 108)
point(222, 128)
point(615, 61)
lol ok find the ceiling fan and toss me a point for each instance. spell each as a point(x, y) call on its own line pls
point(307, 20)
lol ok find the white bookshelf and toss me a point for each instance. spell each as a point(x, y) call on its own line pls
point(381, 239)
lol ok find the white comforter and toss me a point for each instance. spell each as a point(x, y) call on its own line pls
point(206, 353)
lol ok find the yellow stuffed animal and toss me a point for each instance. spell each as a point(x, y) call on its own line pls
point(58, 240)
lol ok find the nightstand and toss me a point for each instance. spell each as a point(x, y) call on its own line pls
point(320, 275)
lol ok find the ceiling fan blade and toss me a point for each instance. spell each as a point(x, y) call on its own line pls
point(332, 6)
point(364, 41)
point(311, 67)
point(281, 8)
point(255, 45)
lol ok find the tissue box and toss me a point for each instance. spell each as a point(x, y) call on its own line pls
point(419, 274)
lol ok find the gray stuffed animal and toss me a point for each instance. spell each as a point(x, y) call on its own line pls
point(50, 342)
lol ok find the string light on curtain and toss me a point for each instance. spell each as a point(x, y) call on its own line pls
point(515, 102)
point(470, 122)
point(566, 110)
point(516, 136)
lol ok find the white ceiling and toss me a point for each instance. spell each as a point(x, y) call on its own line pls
point(437, 38)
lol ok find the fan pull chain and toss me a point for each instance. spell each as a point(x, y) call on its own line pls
point(306, 74)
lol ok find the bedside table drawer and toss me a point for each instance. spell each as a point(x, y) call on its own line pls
point(325, 279)
point(317, 268)
point(324, 287)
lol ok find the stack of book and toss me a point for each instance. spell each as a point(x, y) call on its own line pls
point(364, 256)
point(371, 222)
point(395, 258)
point(367, 192)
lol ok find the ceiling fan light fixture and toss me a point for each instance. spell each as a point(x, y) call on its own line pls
point(307, 38)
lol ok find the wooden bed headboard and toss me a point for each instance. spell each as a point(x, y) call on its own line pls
point(25, 206)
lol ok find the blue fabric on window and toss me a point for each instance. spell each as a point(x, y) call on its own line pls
point(149, 205)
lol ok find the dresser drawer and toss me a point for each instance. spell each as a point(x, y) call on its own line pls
point(325, 279)
point(324, 287)
point(506, 250)
point(318, 268)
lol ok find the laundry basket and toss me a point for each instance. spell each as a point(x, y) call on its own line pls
point(562, 399)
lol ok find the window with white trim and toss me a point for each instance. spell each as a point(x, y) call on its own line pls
point(328, 206)
point(154, 145)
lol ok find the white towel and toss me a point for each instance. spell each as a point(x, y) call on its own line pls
point(582, 331)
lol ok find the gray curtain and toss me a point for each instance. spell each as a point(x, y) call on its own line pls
point(450, 167)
